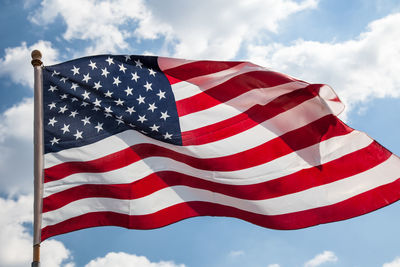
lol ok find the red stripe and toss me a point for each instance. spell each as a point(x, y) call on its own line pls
point(248, 119)
point(171, 79)
point(230, 89)
point(355, 206)
point(346, 166)
point(313, 133)
point(199, 68)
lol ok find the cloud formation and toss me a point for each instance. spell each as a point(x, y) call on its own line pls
point(186, 29)
point(15, 216)
point(117, 259)
point(16, 146)
point(359, 70)
point(105, 24)
point(16, 62)
point(394, 263)
point(324, 257)
point(199, 31)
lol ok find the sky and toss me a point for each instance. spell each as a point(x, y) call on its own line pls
point(350, 45)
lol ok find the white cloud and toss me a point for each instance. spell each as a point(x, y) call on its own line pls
point(104, 23)
point(394, 263)
point(359, 70)
point(324, 257)
point(274, 265)
point(217, 29)
point(205, 29)
point(16, 146)
point(15, 215)
point(17, 61)
point(122, 259)
point(55, 254)
point(17, 121)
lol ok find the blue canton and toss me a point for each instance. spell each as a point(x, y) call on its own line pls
point(91, 98)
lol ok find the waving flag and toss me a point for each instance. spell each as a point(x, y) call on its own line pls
point(142, 142)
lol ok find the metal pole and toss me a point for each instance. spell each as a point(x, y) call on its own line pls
point(38, 155)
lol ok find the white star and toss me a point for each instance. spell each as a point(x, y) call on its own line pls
point(138, 63)
point(110, 61)
point(86, 95)
point(104, 72)
point(108, 93)
point(122, 68)
point(135, 76)
point(119, 119)
point(74, 99)
point(55, 73)
point(52, 105)
point(127, 57)
point(142, 118)
point(164, 115)
point(74, 86)
point(167, 136)
point(53, 88)
point(140, 99)
point(84, 104)
point(97, 102)
point(86, 120)
point(152, 107)
point(75, 70)
point(148, 86)
point(64, 96)
point(130, 110)
point(63, 109)
point(97, 85)
point(52, 121)
point(107, 115)
point(65, 128)
point(154, 128)
point(128, 91)
point(86, 78)
point(99, 126)
point(78, 135)
point(63, 79)
point(108, 110)
point(152, 72)
point(116, 81)
point(119, 102)
point(93, 65)
point(96, 108)
point(161, 94)
point(54, 141)
point(73, 113)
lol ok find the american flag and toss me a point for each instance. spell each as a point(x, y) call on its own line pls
point(142, 142)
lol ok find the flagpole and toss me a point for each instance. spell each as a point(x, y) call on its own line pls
point(38, 155)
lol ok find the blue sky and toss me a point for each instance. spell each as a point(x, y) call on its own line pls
point(350, 45)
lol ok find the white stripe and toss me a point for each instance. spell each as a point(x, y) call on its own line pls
point(168, 63)
point(235, 106)
point(294, 118)
point(183, 90)
point(315, 155)
point(331, 100)
point(200, 84)
point(315, 197)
